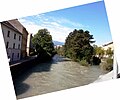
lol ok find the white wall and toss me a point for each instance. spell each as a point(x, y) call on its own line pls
point(28, 44)
point(108, 46)
point(11, 41)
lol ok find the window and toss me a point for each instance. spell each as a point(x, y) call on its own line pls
point(12, 56)
point(14, 36)
point(7, 44)
point(8, 34)
point(13, 45)
point(19, 38)
point(18, 46)
point(18, 55)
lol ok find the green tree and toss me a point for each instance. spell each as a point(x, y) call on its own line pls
point(98, 51)
point(78, 45)
point(42, 41)
point(109, 52)
point(60, 50)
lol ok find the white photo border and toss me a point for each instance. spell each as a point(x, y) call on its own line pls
point(11, 9)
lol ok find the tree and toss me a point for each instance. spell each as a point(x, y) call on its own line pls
point(42, 41)
point(78, 45)
point(109, 52)
point(60, 50)
point(99, 51)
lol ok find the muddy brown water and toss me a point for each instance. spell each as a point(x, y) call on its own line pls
point(58, 74)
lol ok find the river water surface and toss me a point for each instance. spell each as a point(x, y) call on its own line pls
point(58, 74)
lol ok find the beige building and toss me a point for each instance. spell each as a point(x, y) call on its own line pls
point(108, 45)
point(13, 40)
point(29, 44)
point(24, 32)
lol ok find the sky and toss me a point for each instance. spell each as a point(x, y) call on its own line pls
point(60, 23)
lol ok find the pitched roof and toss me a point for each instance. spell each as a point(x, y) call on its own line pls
point(108, 44)
point(6, 23)
point(17, 25)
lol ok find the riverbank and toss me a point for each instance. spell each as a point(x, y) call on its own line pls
point(22, 60)
point(18, 67)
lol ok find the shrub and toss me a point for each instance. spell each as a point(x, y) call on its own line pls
point(84, 63)
point(107, 64)
point(96, 60)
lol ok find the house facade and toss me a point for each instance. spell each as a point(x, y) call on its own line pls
point(29, 44)
point(106, 47)
point(13, 41)
point(24, 43)
point(24, 32)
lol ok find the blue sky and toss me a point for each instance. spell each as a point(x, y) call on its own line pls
point(60, 23)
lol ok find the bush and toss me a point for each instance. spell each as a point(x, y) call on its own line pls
point(96, 60)
point(84, 63)
point(109, 61)
point(107, 64)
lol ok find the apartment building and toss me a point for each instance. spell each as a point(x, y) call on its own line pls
point(13, 40)
point(24, 32)
point(108, 45)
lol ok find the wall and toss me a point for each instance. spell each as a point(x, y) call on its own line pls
point(19, 68)
point(107, 46)
point(24, 43)
point(11, 40)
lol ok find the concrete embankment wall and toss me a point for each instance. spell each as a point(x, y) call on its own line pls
point(19, 68)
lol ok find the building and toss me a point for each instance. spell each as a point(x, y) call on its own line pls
point(24, 32)
point(58, 46)
point(108, 45)
point(29, 44)
point(13, 40)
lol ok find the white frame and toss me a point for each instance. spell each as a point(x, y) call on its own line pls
point(6, 88)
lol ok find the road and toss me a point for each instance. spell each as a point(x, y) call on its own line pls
point(58, 74)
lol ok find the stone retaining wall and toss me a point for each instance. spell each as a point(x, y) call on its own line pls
point(19, 68)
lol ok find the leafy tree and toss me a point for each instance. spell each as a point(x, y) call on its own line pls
point(98, 51)
point(42, 41)
point(60, 50)
point(78, 45)
point(109, 52)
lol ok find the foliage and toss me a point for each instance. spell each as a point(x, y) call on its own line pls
point(98, 51)
point(84, 63)
point(109, 52)
point(42, 42)
point(60, 50)
point(96, 60)
point(107, 64)
point(78, 45)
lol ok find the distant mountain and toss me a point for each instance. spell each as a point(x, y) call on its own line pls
point(58, 43)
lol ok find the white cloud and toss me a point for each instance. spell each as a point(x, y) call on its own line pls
point(55, 26)
point(30, 26)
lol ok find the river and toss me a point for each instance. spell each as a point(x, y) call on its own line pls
point(58, 74)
